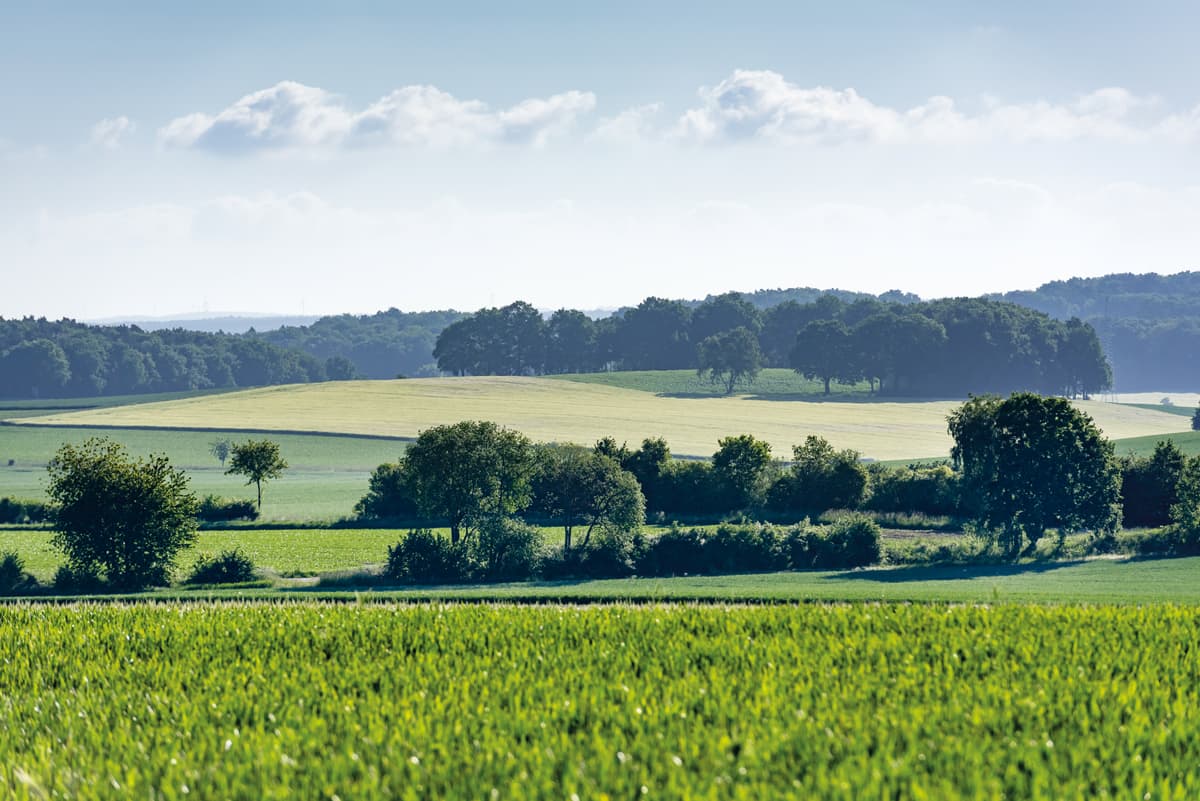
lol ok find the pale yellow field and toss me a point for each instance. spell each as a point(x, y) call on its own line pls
point(563, 411)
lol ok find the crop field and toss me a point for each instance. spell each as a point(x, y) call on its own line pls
point(567, 411)
point(378, 702)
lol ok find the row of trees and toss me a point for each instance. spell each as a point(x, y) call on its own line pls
point(1023, 466)
point(943, 347)
point(41, 358)
point(1020, 467)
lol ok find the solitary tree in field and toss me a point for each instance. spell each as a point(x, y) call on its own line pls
point(117, 516)
point(1030, 463)
point(220, 449)
point(730, 358)
point(258, 461)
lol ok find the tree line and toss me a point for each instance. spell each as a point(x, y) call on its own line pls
point(1021, 467)
point(943, 347)
point(40, 358)
point(1147, 323)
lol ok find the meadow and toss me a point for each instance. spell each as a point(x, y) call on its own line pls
point(271, 701)
point(337, 556)
point(328, 474)
point(552, 410)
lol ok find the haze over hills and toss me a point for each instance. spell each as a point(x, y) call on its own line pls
point(1148, 325)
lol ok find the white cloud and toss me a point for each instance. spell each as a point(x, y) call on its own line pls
point(292, 116)
point(108, 133)
point(631, 125)
point(763, 105)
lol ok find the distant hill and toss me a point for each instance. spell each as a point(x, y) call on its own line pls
point(1149, 324)
point(227, 323)
point(1147, 296)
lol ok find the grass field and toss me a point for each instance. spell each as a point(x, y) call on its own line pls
point(328, 474)
point(329, 551)
point(845, 702)
point(772, 382)
point(1188, 442)
point(569, 411)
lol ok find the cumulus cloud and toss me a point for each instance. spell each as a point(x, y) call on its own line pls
point(763, 105)
point(292, 116)
point(631, 125)
point(108, 133)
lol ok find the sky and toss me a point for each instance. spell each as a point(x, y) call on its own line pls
point(312, 157)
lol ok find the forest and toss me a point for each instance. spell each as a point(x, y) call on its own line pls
point(1147, 327)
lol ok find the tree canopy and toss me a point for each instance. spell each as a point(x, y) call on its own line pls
point(1031, 463)
point(120, 518)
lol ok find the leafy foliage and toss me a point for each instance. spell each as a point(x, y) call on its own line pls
point(124, 518)
point(228, 567)
point(258, 460)
point(1030, 463)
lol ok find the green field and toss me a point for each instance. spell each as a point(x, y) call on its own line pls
point(340, 551)
point(1188, 442)
point(773, 382)
point(569, 411)
point(266, 701)
point(328, 474)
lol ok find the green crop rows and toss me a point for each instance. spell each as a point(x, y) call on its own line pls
point(261, 701)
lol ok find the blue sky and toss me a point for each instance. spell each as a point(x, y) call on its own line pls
point(161, 158)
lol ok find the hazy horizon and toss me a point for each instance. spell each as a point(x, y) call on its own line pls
point(158, 161)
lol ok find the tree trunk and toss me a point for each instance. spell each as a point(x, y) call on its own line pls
point(259, 485)
point(827, 378)
point(566, 541)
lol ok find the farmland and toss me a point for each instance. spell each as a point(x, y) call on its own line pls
point(328, 474)
point(569, 411)
point(835, 702)
point(330, 552)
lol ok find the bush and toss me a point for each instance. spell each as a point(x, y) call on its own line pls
point(504, 549)
point(744, 549)
point(423, 557)
point(390, 494)
point(219, 510)
point(18, 511)
point(608, 557)
point(928, 490)
point(72, 581)
point(851, 541)
point(13, 578)
point(675, 552)
point(229, 567)
point(127, 518)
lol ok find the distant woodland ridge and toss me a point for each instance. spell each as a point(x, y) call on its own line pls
point(1148, 327)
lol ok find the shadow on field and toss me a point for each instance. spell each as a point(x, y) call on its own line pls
point(899, 575)
point(835, 398)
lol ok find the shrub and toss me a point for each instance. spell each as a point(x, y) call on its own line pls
point(19, 511)
point(928, 490)
point(13, 578)
point(850, 541)
point(504, 549)
point(74, 580)
point(126, 517)
point(605, 557)
point(390, 494)
point(219, 510)
point(676, 551)
point(228, 567)
point(746, 548)
point(423, 557)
